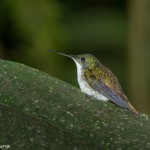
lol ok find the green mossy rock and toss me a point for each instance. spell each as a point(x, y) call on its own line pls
point(40, 112)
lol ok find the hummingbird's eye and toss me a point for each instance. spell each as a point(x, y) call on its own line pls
point(83, 59)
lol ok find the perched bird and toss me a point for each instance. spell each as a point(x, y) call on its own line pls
point(98, 81)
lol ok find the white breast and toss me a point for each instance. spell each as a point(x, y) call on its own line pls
point(84, 86)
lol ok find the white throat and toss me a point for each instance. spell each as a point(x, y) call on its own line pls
point(79, 70)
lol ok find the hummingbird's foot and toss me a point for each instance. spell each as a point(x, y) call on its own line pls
point(88, 97)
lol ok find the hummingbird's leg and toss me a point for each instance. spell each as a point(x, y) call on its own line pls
point(86, 96)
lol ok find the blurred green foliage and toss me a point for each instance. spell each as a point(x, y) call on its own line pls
point(30, 28)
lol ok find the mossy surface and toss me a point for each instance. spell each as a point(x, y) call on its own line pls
point(38, 111)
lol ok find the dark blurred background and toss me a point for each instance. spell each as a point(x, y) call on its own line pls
point(116, 32)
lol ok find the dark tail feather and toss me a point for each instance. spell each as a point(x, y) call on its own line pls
point(133, 110)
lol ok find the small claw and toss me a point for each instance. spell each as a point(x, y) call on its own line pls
point(88, 97)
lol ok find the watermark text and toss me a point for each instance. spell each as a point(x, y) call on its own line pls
point(7, 146)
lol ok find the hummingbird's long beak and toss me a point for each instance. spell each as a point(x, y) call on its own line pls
point(70, 56)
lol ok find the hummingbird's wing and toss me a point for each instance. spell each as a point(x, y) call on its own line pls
point(110, 90)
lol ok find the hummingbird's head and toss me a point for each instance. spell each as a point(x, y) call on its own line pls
point(85, 60)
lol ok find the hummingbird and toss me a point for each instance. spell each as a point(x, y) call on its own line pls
point(95, 80)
